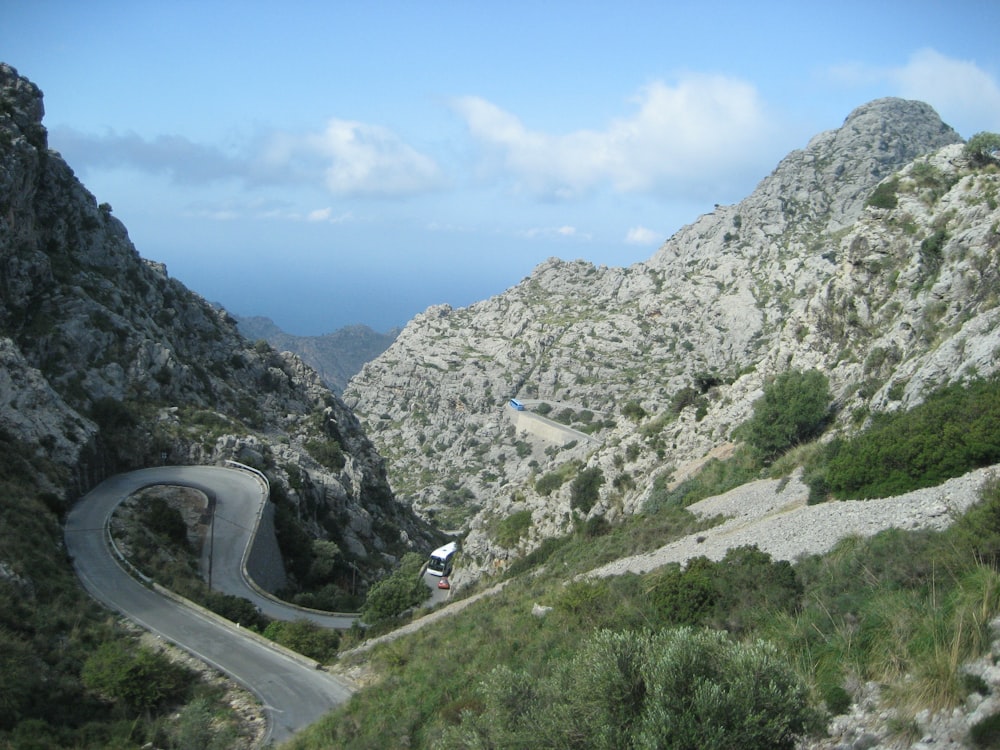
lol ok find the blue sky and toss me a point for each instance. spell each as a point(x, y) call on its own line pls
point(333, 163)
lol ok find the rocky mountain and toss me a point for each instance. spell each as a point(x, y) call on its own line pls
point(108, 364)
point(870, 254)
point(336, 356)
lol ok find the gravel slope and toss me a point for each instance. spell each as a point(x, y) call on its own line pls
point(773, 515)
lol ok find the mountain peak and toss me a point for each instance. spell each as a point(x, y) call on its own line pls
point(21, 103)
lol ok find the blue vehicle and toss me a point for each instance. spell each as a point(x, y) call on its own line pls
point(515, 404)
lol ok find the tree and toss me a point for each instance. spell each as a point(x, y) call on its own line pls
point(983, 148)
point(140, 679)
point(634, 411)
point(166, 520)
point(326, 556)
point(793, 409)
point(306, 637)
point(585, 488)
point(395, 594)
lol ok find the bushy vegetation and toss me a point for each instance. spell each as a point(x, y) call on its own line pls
point(137, 679)
point(983, 148)
point(885, 194)
point(677, 688)
point(726, 594)
point(327, 452)
point(511, 529)
point(956, 429)
point(398, 592)
point(795, 408)
point(585, 488)
point(548, 483)
point(634, 411)
point(306, 638)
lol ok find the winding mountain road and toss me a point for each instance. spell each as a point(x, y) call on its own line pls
point(293, 691)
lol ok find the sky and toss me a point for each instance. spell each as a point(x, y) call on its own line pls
point(333, 163)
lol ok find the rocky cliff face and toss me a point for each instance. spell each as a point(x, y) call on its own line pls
point(890, 292)
point(109, 364)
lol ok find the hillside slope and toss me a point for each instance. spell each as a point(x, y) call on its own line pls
point(890, 298)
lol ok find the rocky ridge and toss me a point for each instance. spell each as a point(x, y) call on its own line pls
point(108, 364)
point(890, 298)
point(336, 356)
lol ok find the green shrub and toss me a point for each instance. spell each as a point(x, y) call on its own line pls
point(139, 679)
point(397, 593)
point(685, 597)
point(750, 585)
point(978, 531)
point(836, 698)
point(684, 398)
point(596, 526)
point(585, 489)
point(983, 148)
point(582, 598)
point(736, 593)
point(512, 529)
point(931, 250)
point(327, 452)
point(633, 410)
point(955, 430)
point(985, 733)
point(305, 637)
point(546, 484)
point(234, 608)
point(112, 415)
point(794, 409)
point(885, 194)
point(677, 688)
point(165, 520)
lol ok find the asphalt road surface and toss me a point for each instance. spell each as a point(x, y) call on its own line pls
point(294, 693)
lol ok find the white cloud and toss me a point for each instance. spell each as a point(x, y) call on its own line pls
point(182, 160)
point(642, 236)
point(960, 90)
point(690, 133)
point(563, 231)
point(372, 159)
point(346, 158)
point(327, 216)
point(353, 158)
